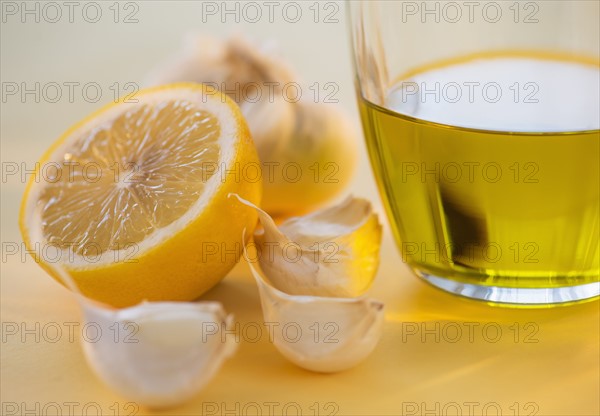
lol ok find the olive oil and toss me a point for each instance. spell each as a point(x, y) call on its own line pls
point(489, 171)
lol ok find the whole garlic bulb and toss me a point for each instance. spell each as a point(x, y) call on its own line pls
point(251, 76)
point(308, 150)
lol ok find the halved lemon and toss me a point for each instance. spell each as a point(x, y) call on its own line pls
point(133, 201)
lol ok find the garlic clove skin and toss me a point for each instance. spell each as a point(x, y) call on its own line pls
point(321, 334)
point(333, 252)
point(158, 354)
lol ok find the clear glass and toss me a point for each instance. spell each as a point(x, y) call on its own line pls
point(482, 124)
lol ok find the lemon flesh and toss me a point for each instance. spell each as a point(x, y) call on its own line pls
point(148, 164)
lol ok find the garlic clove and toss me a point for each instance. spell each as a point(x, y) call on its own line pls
point(331, 252)
point(317, 333)
point(158, 354)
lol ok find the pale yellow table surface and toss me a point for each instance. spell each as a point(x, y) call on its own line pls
point(551, 367)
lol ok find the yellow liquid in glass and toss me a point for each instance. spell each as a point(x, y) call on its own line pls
point(490, 176)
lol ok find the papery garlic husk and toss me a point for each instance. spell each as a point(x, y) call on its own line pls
point(332, 252)
point(158, 354)
point(318, 333)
